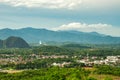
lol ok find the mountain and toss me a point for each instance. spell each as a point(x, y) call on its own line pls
point(1, 43)
point(75, 46)
point(33, 35)
point(13, 42)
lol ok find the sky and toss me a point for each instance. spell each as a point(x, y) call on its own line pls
point(102, 16)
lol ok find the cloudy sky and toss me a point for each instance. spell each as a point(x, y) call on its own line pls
point(101, 16)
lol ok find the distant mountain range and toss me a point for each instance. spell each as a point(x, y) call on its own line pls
point(32, 35)
point(13, 42)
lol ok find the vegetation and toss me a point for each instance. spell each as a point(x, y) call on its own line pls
point(57, 73)
point(105, 69)
point(37, 62)
point(54, 73)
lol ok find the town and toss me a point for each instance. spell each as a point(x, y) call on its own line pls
point(87, 60)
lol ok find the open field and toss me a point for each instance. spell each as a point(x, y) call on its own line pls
point(103, 77)
point(12, 71)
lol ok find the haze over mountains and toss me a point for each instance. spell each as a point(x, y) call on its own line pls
point(32, 35)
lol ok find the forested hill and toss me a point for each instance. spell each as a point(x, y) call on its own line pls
point(33, 35)
point(13, 42)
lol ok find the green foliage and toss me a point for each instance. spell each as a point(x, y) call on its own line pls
point(76, 46)
point(32, 65)
point(91, 78)
point(108, 78)
point(17, 51)
point(50, 50)
point(54, 50)
point(104, 69)
point(54, 73)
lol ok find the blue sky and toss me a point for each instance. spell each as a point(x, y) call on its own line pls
point(102, 16)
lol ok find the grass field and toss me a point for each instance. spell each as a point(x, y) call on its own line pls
point(101, 76)
point(104, 77)
point(12, 71)
point(96, 76)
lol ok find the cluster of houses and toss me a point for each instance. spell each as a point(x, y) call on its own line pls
point(47, 56)
point(13, 59)
point(109, 60)
point(61, 64)
point(17, 59)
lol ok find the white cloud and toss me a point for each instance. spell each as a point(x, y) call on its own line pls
point(100, 28)
point(69, 4)
point(101, 4)
point(83, 27)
